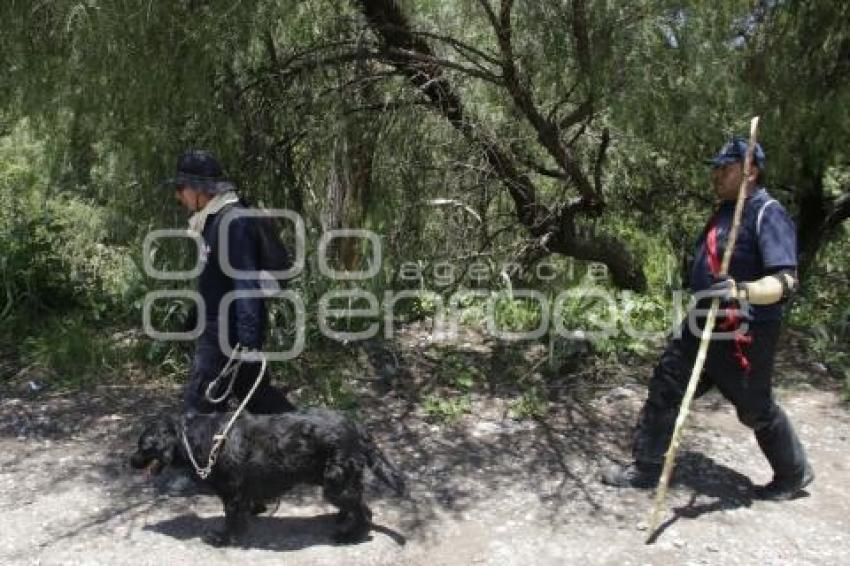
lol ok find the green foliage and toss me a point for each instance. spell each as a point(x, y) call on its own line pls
point(76, 354)
point(422, 306)
point(447, 409)
point(331, 390)
point(517, 314)
point(457, 372)
point(822, 310)
point(533, 404)
point(53, 255)
point(95, 109)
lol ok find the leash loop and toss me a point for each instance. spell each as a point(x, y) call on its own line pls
point(218, 439)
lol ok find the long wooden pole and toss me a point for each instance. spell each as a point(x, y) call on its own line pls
point(669, 459)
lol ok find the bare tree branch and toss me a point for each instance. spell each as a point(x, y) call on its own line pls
point(393, 30)
point(547, 132)
point(582, 112)
point(491, 14)
point(460, 47)
point(394, 55)
point(600, 160)
point(386, 107)
point(523, 157)
point(580, 36)
point(556, 227)
point(557, 106)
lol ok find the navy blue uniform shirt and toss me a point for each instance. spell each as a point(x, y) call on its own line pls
point(764, 246)
point(246, 317)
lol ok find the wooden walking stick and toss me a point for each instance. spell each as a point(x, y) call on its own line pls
point(669, 459)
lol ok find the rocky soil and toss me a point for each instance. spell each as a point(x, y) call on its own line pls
point(485, 489)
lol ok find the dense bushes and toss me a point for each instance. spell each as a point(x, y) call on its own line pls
point(309, 112)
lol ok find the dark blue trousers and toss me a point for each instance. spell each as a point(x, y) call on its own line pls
point(751, 394)
point(208, 362)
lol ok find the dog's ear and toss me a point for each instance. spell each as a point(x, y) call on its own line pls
point(149, 431)
point(169, 428)
point(167, 436)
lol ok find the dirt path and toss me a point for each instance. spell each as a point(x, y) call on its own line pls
point(488, 490)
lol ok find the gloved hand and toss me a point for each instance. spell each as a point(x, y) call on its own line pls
point(726, 289)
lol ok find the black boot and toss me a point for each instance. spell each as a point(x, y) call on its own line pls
point(783, 489)
point(636, 474)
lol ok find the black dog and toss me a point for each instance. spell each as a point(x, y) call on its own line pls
point(265, 455)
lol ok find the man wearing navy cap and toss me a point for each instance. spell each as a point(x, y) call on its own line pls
point(201, 187)
point(762, 275)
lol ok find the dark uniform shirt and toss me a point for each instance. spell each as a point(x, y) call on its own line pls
point(766, 243)
point(246, 316)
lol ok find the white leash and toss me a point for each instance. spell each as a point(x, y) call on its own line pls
point(218, 439)
point(230, 369)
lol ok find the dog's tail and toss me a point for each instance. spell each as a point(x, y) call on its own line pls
point(382, 467)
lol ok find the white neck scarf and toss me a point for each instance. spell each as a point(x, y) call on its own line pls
point(199, 219)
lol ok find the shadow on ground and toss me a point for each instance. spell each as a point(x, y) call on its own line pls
point(268, 533)
point(713, 486)
point(548, 463)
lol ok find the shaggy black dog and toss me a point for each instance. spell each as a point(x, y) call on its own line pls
point(266, 455)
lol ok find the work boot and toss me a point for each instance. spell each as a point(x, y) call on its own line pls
point(783, 489)
point(639, 475)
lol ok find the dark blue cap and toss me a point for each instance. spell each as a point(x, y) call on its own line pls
point(735, 151)
point(199, 168)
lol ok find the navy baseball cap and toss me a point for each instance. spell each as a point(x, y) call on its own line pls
point(199, 168)
point(734, 151)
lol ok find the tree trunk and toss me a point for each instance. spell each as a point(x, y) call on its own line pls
point(817, 224)
point(411, 55)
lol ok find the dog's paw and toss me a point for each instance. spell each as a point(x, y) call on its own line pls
point(217, 538)
point(258, 508)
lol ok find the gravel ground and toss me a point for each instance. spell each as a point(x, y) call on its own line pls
point(485, 490)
